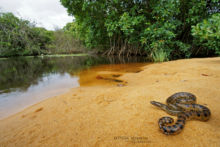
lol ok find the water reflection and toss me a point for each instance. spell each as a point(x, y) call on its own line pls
point(20, 73)
point(26, 81)
point(51, 85)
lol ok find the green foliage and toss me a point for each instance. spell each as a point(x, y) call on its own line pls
point(20, 37)
point(64, 42)
point(207, 34)
point(159, 56)
point(159, 28)
point(71, 28)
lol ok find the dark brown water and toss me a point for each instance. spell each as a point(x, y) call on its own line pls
point(27, 81)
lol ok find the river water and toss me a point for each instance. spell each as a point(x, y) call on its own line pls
point(25, 81)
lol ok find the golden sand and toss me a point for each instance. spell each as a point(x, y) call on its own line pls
point(121, 115)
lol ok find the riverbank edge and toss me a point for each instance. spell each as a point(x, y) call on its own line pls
point(52, 55)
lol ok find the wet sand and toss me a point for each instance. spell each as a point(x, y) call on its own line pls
point(121, 115)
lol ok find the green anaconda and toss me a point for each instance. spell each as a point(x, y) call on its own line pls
point(183, 105)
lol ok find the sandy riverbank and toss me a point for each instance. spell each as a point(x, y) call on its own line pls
point(111, 115)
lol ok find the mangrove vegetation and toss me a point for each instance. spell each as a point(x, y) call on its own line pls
point(159, 30)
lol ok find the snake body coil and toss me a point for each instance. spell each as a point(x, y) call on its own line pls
point(183, 105)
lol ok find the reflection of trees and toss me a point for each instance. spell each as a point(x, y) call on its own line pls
point(125, 59)
point(24, 72)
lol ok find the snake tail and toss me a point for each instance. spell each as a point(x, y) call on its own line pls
point(172, 129)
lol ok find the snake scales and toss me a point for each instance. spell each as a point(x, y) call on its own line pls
point(183, 105)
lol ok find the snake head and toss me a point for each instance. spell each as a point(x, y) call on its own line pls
point(156, 103)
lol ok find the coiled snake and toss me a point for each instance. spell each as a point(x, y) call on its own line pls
point(183, 105)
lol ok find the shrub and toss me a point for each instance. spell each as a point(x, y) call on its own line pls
point(160, 56)
point(20, 37)
point(207, 34)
